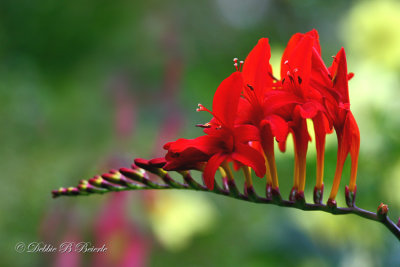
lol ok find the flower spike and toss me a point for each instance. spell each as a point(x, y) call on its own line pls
point(252, 112)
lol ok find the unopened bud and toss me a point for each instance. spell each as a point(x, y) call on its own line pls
point(73, 191)
point(383, 210)
point(146, 164)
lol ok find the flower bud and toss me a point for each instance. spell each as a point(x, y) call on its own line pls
point(383, 210)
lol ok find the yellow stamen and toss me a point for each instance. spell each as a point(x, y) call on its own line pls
point(223, 173)
point(272, 168)
point(227, 170)
point(270, 164)
point(269, 175)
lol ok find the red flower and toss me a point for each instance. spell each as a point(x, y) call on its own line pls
point(346, 128)
point(224, 140)
point(303, 72)
point(251, 109)
point(258, 81)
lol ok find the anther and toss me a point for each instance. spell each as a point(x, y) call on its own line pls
point(205, 125)
point(241, 65)
point(200, 108)
point(299, 79)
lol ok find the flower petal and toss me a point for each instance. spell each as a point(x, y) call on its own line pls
point(226, 99)
point(279, 127)
point(211, 168)
point(308, 110)
point(246, 133)
point(206, 144)
point(256, 69)
point(340, 76)
point(249, 156)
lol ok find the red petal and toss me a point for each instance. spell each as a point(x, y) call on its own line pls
point(246, 133)
point(226, 99)
point(256, 68)
point(314, 34)
point(279, 127)
point(351, 135)
point(340, 76)
point(245, 109)
point(158, 162)
point(206, 144)
point(277, 100)
point(290, 47)
point(249, 156)
point(308, 110)
point(188, 159)
point(320, 73)
point(302, 58)
point(211, 168)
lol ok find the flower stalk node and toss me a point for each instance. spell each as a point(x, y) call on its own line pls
point(299, 198)
point(350, 196)
point(233, 190)
point(276, 195)
point(292, 195)
point(268, 191)
point(332, 203)
point(190, 181)
point(250, 193)
point(318, 194)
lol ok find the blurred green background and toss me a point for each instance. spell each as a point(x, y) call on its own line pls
point(88, 86)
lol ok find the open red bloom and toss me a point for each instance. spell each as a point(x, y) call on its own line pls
point(224, 141)
point(251, 109)
point(301, 70)
point(348, 134)
point(258, 81)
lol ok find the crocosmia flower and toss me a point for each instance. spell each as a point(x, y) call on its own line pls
point(224, 141)
point(252, 109)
